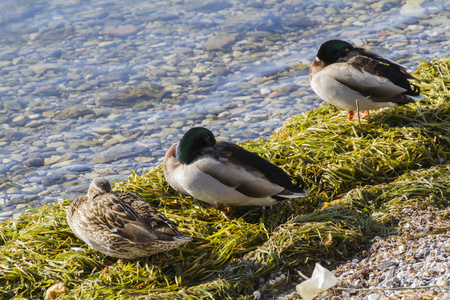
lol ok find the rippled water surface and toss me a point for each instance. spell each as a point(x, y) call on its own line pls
point(99, 88)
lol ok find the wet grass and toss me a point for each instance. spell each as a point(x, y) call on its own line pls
point(358, 186)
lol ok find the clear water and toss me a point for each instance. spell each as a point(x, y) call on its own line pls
point(60, 54)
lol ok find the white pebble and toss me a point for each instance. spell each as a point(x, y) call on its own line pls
point(256, 294)
point(264, 91)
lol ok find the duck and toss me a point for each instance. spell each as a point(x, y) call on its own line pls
point(353, 78)
point(121, 225)
point(221, 172)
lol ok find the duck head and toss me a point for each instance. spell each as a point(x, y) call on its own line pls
point(97, 187)
point(334, 51)
point(193, 141)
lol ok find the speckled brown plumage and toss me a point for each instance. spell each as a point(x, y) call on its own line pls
point(121, 224)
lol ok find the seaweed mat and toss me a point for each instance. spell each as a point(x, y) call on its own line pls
point(359, 187)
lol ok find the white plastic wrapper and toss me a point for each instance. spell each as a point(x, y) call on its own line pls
point(321, 280)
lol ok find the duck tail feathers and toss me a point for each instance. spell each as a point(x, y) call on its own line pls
point(182, 238)
point(288, 194)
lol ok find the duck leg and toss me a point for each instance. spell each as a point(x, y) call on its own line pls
point(351, 114)
point(364, 133)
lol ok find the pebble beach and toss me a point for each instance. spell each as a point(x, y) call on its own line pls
point(396, 267)
point(102, 88)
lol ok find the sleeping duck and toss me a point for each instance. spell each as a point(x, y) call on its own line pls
point(342, 74)
point(220, 172)
point(121, 224)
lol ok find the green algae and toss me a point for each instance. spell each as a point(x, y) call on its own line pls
point(359, 187)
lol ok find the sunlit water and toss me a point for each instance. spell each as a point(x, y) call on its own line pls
point(215, 64)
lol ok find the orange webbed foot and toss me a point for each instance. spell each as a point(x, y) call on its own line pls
point(352, 116)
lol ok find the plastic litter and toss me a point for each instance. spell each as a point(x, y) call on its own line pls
point(321, 280)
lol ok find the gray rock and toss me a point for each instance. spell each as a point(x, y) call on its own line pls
point(84, 87)
point(74, 112)
point(44, 67)
point(12, 135)
point(34, 162)
point(52, 179)
point(117, 152)
point(12, 105)
point(221, 41)
point(35, 123)
point(5, 215)
point(208, 5)
point(133, 95)
point(77, 168)
point(374, 296)
point(16, 199)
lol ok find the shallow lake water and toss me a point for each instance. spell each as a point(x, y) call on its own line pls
point(99, 88)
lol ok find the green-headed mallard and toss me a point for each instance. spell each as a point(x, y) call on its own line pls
point(342, 74)
point(121, 224)
point(222, 172)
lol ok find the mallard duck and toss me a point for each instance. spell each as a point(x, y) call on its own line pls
point(121, 224)
point(222, 172)
point(342, 74)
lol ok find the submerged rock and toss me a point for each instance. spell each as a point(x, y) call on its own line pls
point(133, 95)
point(74, 112)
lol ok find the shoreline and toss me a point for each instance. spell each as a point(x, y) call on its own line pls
point(97, 90)
point(392, 184)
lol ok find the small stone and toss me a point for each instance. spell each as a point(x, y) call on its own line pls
point(48, 114)
point(124, 30)
point(396, 281)
point(74, 112)
point(52, 159)
point(279, 279)
point(5, 215)
point(223, 114)
point(17, 157)
point(17, 199)
point(47, 91)
point(442, 282)
point(34, 162)
point(257, 294)
point(220, 41)
point(412, 8)
point(117, 152)
point(274, 94)
point(103, 130)
point(239, 110)
point(373, 296)
point(264, 91)
point(35, 123)
point(177, 124)
point(106, 43)
point(144, 159)
point(12, 105)
point(207, 6)
point(41, 68)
